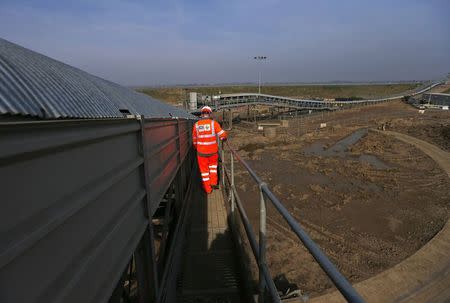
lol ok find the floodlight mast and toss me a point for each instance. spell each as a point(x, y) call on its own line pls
point(259, 59)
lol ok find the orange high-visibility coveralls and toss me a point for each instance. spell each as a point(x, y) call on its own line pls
point(204, 137)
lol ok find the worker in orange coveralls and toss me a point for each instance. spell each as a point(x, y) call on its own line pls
point(204, 137)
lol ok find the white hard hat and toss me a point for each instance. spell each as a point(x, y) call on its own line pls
point(206, 110)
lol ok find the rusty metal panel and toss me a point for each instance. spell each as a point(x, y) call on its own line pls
point(166, 148)
point(72, 208)
point(185, 136)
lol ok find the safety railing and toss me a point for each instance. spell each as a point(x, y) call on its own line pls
point(266, 282)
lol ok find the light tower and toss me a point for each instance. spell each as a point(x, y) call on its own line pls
point(259, 59)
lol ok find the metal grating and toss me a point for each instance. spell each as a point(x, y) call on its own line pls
point(209, 272)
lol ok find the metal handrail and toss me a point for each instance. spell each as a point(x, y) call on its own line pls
point(341, 283)
point(253, 243)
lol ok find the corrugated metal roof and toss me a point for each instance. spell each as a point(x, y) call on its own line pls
point(32, 84)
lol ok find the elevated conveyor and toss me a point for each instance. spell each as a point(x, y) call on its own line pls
point(228, 101)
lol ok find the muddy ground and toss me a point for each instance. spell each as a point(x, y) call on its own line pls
point(368, 200)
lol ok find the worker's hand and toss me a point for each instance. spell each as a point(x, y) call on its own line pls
point(224, 139)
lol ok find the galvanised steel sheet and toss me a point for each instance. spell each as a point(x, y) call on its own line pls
point(72, 209)
point(74, 204)
point(167, 143)
point(34, 85)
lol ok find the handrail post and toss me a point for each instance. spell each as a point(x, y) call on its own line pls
point(262, 244)
point(233, 206)
point(222, 156)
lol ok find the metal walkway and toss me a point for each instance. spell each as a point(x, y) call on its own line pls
point(209, 272)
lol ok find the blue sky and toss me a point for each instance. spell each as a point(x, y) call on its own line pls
point(136, 42)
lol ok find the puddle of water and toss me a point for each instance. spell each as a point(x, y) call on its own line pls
point(315, 149)
point(342, 145)
point(340, 149)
